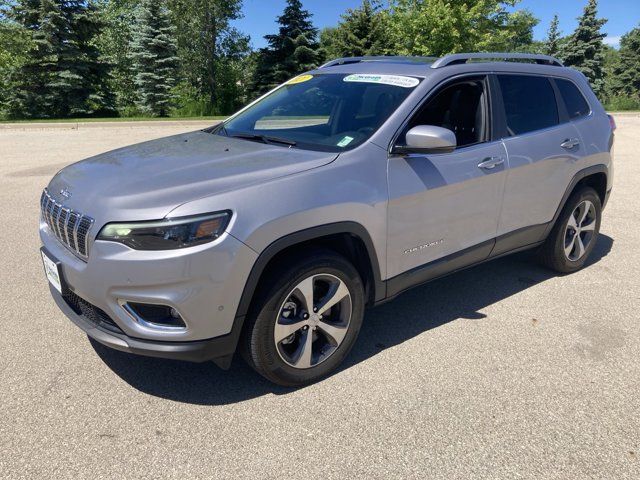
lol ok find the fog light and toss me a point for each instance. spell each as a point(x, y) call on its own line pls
point(155, 315)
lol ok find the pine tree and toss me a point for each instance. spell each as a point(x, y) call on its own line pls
point(361, 32)
point(626, 73)
point(585, 49)
point(64, 74)
point(294, 49)
point(552, 43)
point(154, 57)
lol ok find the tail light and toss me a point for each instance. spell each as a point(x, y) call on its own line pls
point(612, 122)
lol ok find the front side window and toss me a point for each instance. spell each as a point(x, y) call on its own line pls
point(529, 103)
point(576, 105)
point(459, 107)
point(327, 112)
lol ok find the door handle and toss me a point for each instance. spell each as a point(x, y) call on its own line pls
point(491, 162)
point(570, 143)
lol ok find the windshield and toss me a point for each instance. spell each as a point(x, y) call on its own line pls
point(328, 112)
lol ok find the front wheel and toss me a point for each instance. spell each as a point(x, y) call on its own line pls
point(575, 233)
point(306, 319)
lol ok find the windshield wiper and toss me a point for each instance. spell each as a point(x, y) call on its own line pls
point(269, 140)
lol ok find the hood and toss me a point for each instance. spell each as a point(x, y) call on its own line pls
point(148, 180)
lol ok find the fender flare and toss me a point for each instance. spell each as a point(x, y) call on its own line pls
point(291, 239)
point(582, 174)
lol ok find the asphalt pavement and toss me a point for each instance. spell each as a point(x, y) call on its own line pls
point(503, 371)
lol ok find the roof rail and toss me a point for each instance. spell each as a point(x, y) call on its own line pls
point(381, 58)
point(460, 58)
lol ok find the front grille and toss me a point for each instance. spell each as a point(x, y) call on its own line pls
point(90, 312)
point(69, 227)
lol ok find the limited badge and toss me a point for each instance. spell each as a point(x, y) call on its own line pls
point(300, 79)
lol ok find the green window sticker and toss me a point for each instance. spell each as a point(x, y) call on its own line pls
point(346, 140)
point(396, 80)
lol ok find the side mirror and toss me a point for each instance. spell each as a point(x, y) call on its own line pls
point(428, 139)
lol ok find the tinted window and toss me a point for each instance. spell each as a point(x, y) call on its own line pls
point(529, 102)
point(577, 106)
point(459, 108)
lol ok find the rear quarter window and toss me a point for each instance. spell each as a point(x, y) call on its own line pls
point(575, 102)
point(529, 103)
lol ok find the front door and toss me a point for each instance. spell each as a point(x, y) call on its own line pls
point(447, 204)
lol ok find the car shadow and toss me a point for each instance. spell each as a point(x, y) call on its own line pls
point(459, 296)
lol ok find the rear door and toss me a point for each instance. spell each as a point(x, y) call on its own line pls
point(543, 148)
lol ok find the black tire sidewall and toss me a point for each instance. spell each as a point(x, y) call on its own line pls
point(563, 263)
point(261, 347)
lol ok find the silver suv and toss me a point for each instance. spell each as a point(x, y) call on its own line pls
point(273, 231)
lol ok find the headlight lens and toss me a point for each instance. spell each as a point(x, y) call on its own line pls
point(167, 234)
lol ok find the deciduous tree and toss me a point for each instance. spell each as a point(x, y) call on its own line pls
point(212, 51)
point(437, 27)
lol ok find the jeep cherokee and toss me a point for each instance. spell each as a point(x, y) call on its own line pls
point(271, 232)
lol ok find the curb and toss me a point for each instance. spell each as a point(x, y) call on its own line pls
point(84, 125)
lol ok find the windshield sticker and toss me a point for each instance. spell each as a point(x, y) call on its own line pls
point(345, 141)
point(300, 79)
point(397, 80)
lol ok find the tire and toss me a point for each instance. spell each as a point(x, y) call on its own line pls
point(276, 334)
point(568, 248)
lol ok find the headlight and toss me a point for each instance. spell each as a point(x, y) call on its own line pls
point(167, 234)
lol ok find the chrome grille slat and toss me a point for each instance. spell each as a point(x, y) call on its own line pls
point(69, 227)
point(62, 224)
point(50, 204)
point(55, 214)
point(75, 232)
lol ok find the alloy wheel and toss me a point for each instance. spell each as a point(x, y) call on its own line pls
point(313, 321)
point(580, 230)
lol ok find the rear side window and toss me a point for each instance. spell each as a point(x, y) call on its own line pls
point(577, 106)
point(529, 103)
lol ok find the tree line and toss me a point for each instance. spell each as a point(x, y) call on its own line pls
point(74, 58)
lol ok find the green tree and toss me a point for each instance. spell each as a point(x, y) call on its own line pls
point(626, 72)
point(438, 27)
point(64, 74)
point(585, 47)
point(154, 57)
point(515, 34)
point(212, 53)
point(362, 31)
point(114, 42)
point(552, 42)
point(294, 49)
point(15, 42)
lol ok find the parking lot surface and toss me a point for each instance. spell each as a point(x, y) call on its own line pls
point(502, 371)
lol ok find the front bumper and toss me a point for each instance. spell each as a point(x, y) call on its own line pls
point(219, 349)
point(204, 284)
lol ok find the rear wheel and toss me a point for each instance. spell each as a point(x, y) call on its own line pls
point(575, 233)
point(306, 319)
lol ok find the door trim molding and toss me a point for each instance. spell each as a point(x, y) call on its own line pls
point(512, 242)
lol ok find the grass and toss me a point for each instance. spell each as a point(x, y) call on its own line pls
point(112, 119)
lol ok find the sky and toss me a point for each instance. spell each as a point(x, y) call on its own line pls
point(623, 15)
